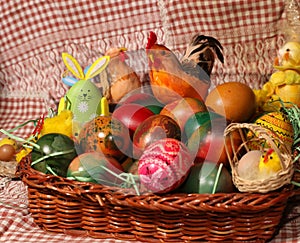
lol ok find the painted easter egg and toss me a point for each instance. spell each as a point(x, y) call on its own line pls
point(145, 99)
point(164, 165)
point(49, 144)
point(208, 177)
point(131, 115)
point(208, 142)
point(154, 128)
point(199, 119)
point(278, 123)
point(182, 109)
point(106, 135)
point(95, 167)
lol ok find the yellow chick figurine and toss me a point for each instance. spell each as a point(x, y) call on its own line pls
point(61, 123)
point(284, 84)
point(288, 56)
point(269, 164)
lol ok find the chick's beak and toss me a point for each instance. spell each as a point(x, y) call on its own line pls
point(286, 56)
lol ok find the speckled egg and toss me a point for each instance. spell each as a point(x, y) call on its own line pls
point(164, 165)
point(106, 135)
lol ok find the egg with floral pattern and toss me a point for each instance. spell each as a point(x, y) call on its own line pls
point(164, 165)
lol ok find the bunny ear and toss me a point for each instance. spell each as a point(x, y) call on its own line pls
point(72, 65)
point(86, 69)
point(68, 80)
point(97, 67)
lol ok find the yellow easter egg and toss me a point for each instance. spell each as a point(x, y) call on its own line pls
point(278, 123)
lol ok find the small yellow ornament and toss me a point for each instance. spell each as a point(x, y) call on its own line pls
point(8, 140)
point(61, 123)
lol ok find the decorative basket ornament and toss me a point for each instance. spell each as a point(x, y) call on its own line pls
point(255, 138)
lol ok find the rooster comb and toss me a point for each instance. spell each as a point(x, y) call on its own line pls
point(151, 40)
point(269, 152)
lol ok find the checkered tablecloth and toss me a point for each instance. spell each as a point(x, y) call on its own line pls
point(16, 224)
point(34, 33)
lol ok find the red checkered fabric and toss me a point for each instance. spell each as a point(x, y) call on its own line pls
point(248, 30)
point(34, 34)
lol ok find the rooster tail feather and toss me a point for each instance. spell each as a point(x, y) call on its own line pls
point(202, 50)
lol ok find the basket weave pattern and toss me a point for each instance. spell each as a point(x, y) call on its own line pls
point(61, 205)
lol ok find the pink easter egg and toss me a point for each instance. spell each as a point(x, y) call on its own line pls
point(164, 165)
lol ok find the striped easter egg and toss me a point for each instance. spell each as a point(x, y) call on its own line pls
point(278, 123)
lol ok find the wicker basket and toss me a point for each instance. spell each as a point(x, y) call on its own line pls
point(61, 205)
point(256, 137)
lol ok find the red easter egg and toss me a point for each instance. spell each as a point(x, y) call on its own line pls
point(131, 115)
point(209, 143)
point(106, 135)
point(164, 165)
point(182, 109)
point(145, 99)
point(152, 129)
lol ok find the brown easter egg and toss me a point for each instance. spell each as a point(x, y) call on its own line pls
point(7, 152)
point(152, 129)
point(233, 100)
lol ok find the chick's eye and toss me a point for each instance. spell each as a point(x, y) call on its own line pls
point(288, 49)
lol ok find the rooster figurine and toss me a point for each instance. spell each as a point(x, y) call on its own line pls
point(171, 78)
